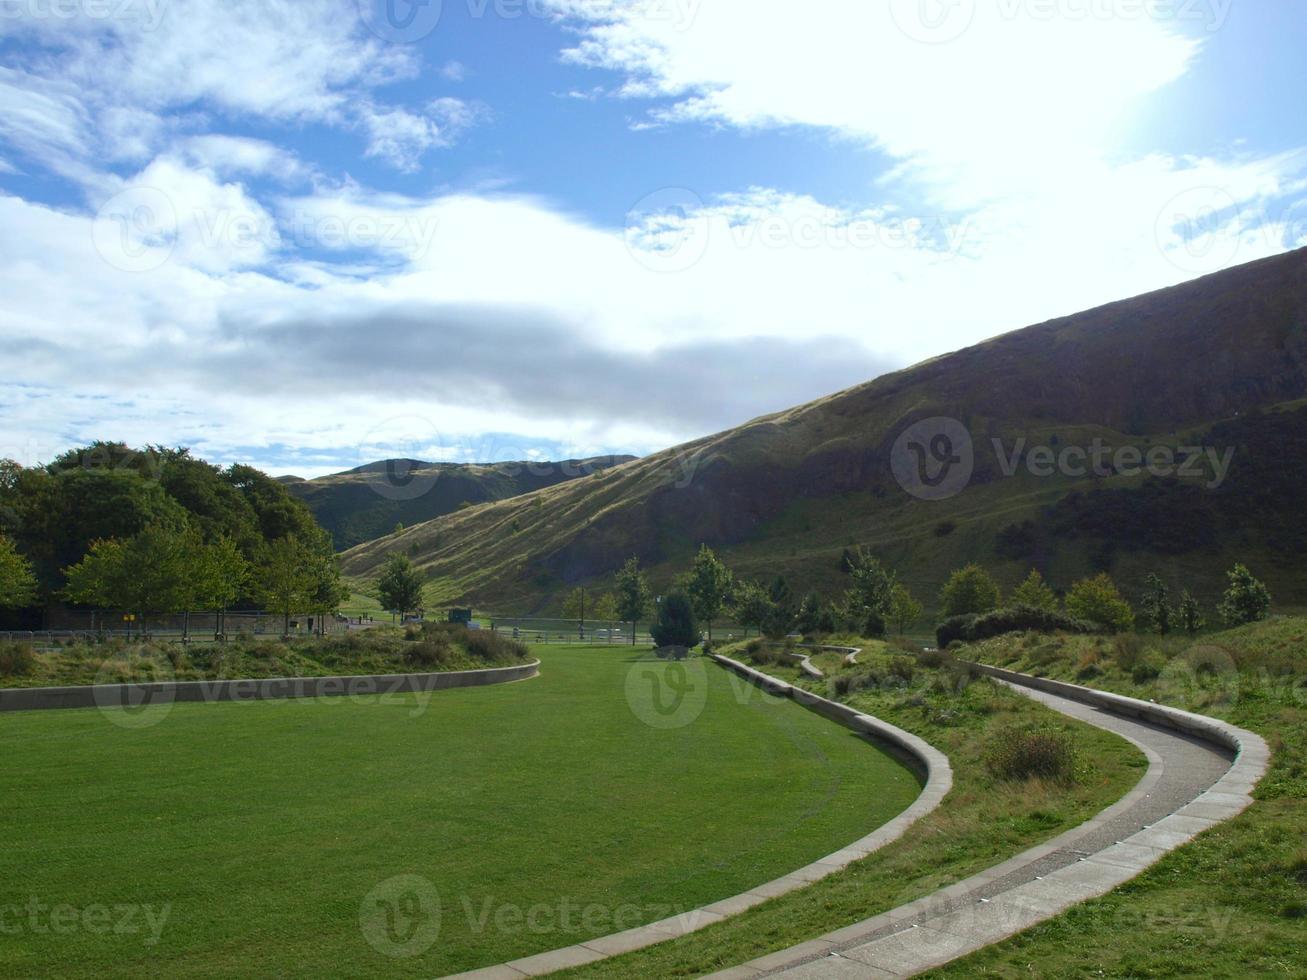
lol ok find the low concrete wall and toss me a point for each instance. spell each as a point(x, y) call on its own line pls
point(264, 689)
point(1199, 726)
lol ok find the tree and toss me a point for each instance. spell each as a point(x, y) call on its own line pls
point(1034, 592)
point(604, 608)
point(17, 581)
point(217, 579)
point(867, 602)
point(1097, 600)
point(632, 592)
point(150, 572)
point(970, 591)
point(753, 605)
point(781, 614)
point(676, 625)
point(1191, 617)
point(808, 621)
point(574, 605)
point(708, 585)
point(904, 611)
point(1246, 599)
point(399, 588)
point(1156, 605)
point(285, 578)
point(329, 591)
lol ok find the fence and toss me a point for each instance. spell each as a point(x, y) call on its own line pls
point(197, 625)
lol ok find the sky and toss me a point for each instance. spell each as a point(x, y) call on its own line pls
point(306, 234)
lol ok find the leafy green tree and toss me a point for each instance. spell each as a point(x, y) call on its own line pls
point(604, 608)
point(329, 590)
point(1246, 599)
point(1191, 616)
point(708, 586)
point(808, 620)
point(867, 602)
point(752, 604)
point(218, 578)
point(1097, 600)
point(632, 594)
point(285, 577)
point(1156, 605)
point(904, 611)
point(676, 625)
point(400, 586)
point(1035, 592)
point(150, 572)
point(970, 591)
point(17, 582)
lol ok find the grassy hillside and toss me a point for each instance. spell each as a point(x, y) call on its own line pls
point(367, 502)
point(1219, 362)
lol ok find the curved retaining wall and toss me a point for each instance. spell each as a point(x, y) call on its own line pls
point(921, 755)
point(263, 689)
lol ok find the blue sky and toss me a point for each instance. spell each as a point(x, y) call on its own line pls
point(299, 235)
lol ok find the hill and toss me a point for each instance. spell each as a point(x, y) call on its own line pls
point(367, 502)
point(1219, 363)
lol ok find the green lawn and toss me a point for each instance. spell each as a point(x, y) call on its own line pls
point(535, 815)
point(983, 821)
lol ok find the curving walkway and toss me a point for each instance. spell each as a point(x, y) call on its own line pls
point(1190, 786)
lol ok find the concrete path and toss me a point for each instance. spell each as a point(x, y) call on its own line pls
point(1189, 787)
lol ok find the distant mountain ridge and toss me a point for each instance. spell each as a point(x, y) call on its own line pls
point(1221, 358)
point(368, 501)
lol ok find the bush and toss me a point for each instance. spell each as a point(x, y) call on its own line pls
point(970, 629)
point(431, 652)
point(903, 669)
point(1097, 600)
point(676, 626)
point(932, 659)
point(1145, 671)
point(1018, 756)
point(16, 660)
point(493, 648)
point(970, 590)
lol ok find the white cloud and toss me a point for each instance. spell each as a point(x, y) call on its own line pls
point(402, 137)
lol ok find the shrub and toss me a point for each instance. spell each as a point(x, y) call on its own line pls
point(903, 669)
point(16, 660)
point(1145, 671)
point(932, 659)
point(970, 629)
point(492, 647)
point(868, 680)
point(429, 652)
point(1097, 600)
point(969, 590)
point(955, 629)
point(676, 624)
point(1246, 600)
point(1022, 755)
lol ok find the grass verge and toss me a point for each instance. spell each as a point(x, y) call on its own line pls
point(429, 648)
point(1234, 902)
